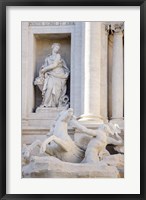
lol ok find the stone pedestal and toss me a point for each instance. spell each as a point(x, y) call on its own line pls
point(52, 110)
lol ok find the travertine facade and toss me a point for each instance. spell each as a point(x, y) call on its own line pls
point(94, 54)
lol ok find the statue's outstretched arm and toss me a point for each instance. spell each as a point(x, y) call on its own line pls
point(82, 128)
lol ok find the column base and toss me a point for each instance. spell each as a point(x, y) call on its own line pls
point(90, 118)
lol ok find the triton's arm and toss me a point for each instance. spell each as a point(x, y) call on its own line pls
point(82, 128)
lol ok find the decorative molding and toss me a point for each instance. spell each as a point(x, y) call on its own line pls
point(107, 28)
point(117, 28)
point(51, 23)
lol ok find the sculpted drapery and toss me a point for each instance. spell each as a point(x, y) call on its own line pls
point(52, 79)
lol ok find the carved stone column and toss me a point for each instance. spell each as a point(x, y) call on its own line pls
point(117, 73)
point(104, 72)
point(92, 73)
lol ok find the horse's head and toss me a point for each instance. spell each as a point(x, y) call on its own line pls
point(66, 115)
point(115, 128)
point(112, 129)
point(108, 129)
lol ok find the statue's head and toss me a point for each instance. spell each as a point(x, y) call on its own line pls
point(55, 47)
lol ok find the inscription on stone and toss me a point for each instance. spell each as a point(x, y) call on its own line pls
point(49, 23)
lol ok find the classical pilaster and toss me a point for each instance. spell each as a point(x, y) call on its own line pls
point(104, 72)
point(25, 70)
point(110, 64)
point(117, 73)
point(92, 73)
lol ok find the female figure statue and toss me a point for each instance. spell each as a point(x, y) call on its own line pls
point(52, 79)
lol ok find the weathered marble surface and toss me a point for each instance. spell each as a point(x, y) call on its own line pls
point(51, 167)
point(61, 156)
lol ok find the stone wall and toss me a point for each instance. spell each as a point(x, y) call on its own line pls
point(84, 46)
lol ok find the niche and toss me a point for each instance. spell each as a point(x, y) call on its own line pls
point(43, 43)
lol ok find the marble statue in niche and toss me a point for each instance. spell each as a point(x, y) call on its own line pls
point(52, 79)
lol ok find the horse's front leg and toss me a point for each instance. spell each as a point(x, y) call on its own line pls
point(65, 145)
point(44, 144)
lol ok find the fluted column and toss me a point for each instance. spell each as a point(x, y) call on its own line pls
point(92, 72)
point(117, 73)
